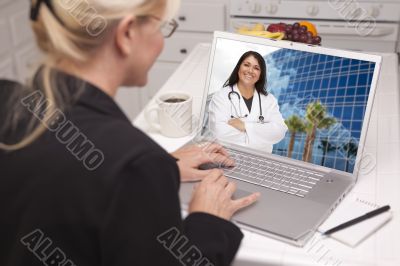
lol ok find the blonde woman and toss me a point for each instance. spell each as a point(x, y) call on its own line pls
point(79, 184)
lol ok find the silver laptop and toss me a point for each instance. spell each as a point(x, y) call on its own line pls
point(325, 98)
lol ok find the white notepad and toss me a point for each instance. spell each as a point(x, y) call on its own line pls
point(348, 210)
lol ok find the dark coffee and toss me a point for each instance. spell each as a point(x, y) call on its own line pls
point(174, 100)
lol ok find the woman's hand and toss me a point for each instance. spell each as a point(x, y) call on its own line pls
point(191, 157)
point(238, 124)
point(213, 195)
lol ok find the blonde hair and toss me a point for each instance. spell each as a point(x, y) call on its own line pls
point(74, 30)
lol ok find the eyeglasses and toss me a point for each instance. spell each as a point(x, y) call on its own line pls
point(167, 28)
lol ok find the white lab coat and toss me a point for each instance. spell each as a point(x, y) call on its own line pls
point(260, 136)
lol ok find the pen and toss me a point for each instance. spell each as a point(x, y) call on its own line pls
point(358, 219)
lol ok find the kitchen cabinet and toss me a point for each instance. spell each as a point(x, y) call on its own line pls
point(19, 55)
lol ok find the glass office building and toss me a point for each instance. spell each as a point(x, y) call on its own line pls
point(340, 86)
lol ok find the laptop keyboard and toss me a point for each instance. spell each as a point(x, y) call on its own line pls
point(273, 175)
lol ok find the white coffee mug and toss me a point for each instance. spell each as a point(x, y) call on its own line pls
point(174, 114)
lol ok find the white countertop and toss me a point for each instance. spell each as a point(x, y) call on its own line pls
point(380, 186)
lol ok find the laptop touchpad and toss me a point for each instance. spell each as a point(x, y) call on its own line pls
point(239, 193)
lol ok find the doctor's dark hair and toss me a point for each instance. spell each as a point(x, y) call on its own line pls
point(262, 81)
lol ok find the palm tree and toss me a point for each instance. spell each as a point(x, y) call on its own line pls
point(295, 125)
point(316, 119)
point(351, 149)
point(326, 147)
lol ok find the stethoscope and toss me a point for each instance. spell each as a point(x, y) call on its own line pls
point(260, 117)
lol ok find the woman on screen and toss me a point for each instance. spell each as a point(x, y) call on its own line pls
point(243, 112)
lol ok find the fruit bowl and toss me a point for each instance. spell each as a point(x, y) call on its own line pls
point(303, 31)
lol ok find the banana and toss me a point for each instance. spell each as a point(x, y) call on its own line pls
point(243, 28)
point(258, 27)
point(262, 33)
point(282, 35)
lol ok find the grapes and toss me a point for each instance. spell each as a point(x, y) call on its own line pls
point(303, 38)
point(303, 28)
point(302, 31)
point(316, 40)
point(298, 33)
point(289, 28)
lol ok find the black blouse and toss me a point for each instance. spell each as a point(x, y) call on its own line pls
point(95, 190)
point(249, 103)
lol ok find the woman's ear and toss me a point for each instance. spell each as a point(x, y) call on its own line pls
point(125, 35)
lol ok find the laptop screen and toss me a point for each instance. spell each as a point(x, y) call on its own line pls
point(308, 106)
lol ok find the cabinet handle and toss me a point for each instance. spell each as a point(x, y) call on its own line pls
point(183, 51)
point(182, 18)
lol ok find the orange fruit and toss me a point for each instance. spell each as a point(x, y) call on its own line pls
point(310, 27)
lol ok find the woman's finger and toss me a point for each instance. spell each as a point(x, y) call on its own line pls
point(215, 148)
point(221, 159)
point(245, 201)
point(223, 181)
point(214, 175)
point(203, 157)
point(230, 188)
point(198, 175)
